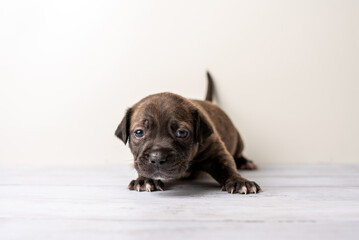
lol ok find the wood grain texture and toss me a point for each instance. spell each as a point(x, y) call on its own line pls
point(92, 202)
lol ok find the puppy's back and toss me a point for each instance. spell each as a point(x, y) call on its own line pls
point(223, 125)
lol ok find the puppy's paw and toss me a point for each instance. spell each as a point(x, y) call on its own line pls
point(245, 164)
point(146, 184)
point(249, 165)
point(240, 185)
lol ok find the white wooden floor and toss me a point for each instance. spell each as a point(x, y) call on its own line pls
point(92, 202)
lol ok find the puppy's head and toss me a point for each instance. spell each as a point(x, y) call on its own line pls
point(163, 131)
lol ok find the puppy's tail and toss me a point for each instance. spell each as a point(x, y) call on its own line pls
point(209, 96)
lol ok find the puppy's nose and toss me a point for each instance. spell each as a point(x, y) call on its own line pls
point(157, 157)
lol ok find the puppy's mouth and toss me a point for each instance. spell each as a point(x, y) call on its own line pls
point(167, 172)
point(162, 176)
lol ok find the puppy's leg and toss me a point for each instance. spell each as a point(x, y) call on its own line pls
point(244, 163)
point(241, 161)
point(222, 168)
point(145, 184)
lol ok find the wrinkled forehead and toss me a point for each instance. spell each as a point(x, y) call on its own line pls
point(163, 111)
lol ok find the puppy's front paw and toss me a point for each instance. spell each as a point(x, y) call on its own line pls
point(145, 184)
point(240, 185)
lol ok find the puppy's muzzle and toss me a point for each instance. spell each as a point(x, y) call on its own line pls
point(161, 162)
point(158, 158)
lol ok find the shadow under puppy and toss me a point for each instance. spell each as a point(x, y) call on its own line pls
point(174, 137)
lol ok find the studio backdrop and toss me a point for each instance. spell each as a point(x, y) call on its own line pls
point(286, 72)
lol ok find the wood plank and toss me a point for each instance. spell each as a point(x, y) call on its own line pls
point(142, 230)
point(92, 202)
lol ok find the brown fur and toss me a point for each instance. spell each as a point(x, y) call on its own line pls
point(212, 143)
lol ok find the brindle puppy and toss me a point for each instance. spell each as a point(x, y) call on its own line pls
point(172, 137)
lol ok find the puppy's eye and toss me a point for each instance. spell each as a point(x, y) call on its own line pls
point(139, 133)
point(181, 133)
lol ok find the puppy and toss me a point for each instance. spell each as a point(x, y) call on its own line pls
point(174, 137)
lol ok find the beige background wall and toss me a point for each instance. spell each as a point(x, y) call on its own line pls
point(287, 72)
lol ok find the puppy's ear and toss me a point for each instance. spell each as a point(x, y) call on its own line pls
point(202, 128)
point(123, 130)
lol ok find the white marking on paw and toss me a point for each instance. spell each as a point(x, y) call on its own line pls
point(243, 190)
point(148, 187)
